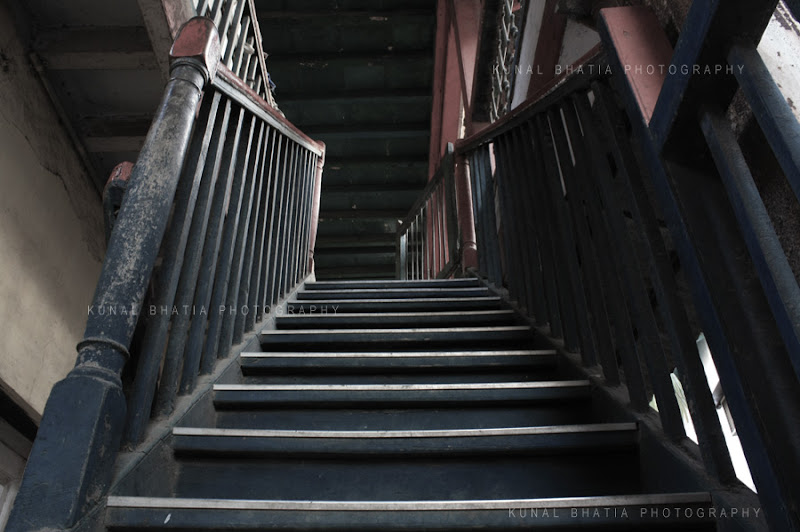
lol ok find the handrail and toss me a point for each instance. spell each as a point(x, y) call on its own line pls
point(214, 230)
point(428, 239)
point(587, 69)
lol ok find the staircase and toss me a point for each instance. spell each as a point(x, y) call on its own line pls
point(400, 405)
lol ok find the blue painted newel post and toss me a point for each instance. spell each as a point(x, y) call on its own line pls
point(70, 467)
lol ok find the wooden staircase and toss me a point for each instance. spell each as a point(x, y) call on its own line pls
point(395, 405)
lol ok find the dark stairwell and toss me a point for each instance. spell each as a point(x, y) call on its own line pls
point(357, 75)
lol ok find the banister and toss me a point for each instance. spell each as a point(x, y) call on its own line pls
point(71, 474)
point(215, 224)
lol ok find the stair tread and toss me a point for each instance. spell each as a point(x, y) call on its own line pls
point(430, 505)
point(404, 387)
point(449, 433)
point(402, 354)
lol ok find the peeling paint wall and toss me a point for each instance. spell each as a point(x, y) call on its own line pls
point(51, 233)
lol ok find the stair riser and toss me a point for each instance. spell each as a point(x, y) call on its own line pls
point(414, 398)
point(396, 293)
point(343, 321)
point(399, 364)
point(352, 285)
point(404, 478)
point(560, 413)
point(339, 306)
point(551, 444)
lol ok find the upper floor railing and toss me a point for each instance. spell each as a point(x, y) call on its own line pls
point(428, 243)
point(215, 228)
point(242, 50)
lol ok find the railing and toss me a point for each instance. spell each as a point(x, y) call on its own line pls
point(240, 41)
point(582, 249)
point(214, 229)
point(428, 243)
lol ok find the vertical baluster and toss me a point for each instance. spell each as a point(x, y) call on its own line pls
point(531, 246)
point(221, 311)
point(539, 220)
point(208, 166)
point(286, 224)
point(490, 215)
point(216, 14)
point(279, 245)
point(211, 252)
point(241, 50)
point(301, 262)
point(270, 227)
point(237, 34)
point(595, 256)
point(252, 260)
point(226, 25)
point(613, 232)
point(297, 220)
point(245, 209)
point(565, 294)
point(585, 279)
point(512, 238)
point(195, 290)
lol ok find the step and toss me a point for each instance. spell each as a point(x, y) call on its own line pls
point(468, 282)
point(408, 395)
point(254, 363)
point(272, 339)
point(236, 443)
point(368, 417)
point(394, 293)
point(396, 319)
point(339, 305)
point(685, 511)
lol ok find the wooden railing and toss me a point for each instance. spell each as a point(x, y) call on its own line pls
point(428, 240)
point(214, 229)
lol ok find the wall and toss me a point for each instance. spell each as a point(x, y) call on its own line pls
point(51, 234)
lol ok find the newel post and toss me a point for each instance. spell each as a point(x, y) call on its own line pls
point(466, 218)
point(70, 466)
point(312, 241)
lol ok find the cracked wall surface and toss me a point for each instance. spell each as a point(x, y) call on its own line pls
point(51, 233)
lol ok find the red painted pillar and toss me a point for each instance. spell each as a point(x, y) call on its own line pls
point(466, 220)
point(312, 240)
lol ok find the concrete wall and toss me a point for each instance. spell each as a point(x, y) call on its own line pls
point(51, 233)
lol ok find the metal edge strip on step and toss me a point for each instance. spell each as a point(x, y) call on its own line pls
point(401, 387)
point(400, 282)
point(384, 315)
point(402, 354)
point(396, 434)
point(401, 506)
point(409, 290)
point(397, 332)
point(395, 300)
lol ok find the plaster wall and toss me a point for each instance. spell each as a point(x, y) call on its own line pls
point(51, 233)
